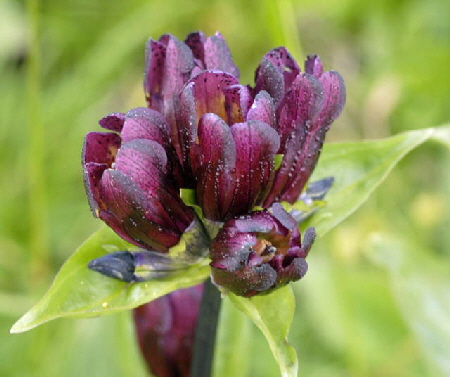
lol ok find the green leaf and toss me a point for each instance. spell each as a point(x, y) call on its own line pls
point(80, 292)
point(420, 283)
point(358, 169)
point(232, 354)
point(273, 315)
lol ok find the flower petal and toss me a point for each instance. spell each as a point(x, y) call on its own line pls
point(100, 147)
point(213, 158)
point(155, 56)
point(178, 65)
point(334, 97)
point(257, 253)
point(168, 66)
point(263, 109)
point(294, 271)
point(300, 105)
point(113, 121)
point(145, 163)
point(270, 79)
point(309, 142)
point(276, 73)
point(285, 63)
point(92, 174)
point(313, 66)
point(245, 283)
point(303, 144)
point(196, 41)
point(145, 123)
point(237, 102)
point(208, 91)
point(218, 56)
point(256, 145)
point(133, 215)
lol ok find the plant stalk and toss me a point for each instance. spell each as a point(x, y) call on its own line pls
point(206, 330)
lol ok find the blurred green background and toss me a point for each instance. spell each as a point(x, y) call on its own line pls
point(376, 299)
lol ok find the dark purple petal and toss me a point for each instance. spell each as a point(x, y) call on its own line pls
point(237, 102)
point(155, 57)
point(276, 73)
point(263, 109)
point(208, 91)
point(217, 55)
point(145, 163)
point(294, 271)
point(113, 122)
point(100, 147)
point(187, 123)
point(287, 65)
point(258, 222)
point(136, 217)
point(178, 65)
point(245, 283)
point(196, 42)
point(334, 98)
point(300, 105)
point(145, 123)
point(285, 219)
point(313, 66)
point(303, 145)
point(259, 252)
point(213, 158)
point(92, 174)
point(256, 145)
point(169, 63)
point(308, 239)
point(270, 79)
point(232, 249)
point(298, 157)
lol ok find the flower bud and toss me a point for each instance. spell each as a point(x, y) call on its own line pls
point(165, 328)
point(259, 252)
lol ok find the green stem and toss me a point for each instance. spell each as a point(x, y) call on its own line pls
point(205, 332)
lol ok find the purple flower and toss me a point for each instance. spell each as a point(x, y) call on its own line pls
point(260, 251)
point(128, 182)
point(206, 132)
point(226, 135)
point(165, 328)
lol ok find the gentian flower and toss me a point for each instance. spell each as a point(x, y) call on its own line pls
point(259, 252)
point(165, 331)
point(128, 184)
point(240, 150)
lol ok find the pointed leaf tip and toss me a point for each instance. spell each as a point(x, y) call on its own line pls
point(79, 292)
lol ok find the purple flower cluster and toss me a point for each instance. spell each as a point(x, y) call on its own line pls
point(203, 130)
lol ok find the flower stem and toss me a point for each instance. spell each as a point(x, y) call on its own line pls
point(205, 332)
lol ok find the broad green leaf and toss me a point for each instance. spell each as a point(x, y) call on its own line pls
point(80, 292)
point(358, 169)
point(421, 286)
point(232, 353)
point(273, 315)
